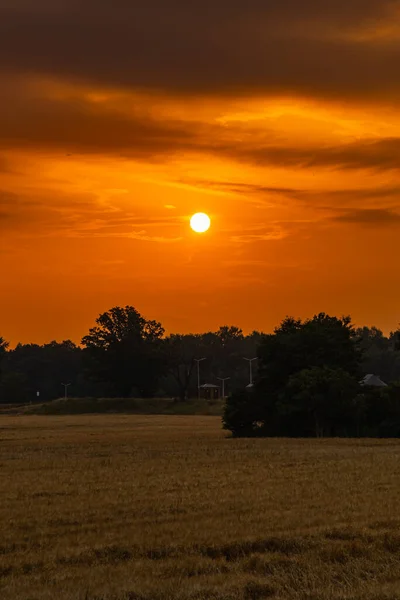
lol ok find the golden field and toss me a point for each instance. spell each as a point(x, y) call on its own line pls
point(127, 507)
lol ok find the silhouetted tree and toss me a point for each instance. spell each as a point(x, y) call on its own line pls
point(243, 415)
point(395, 338)
point(3, 352)
point(322, 342)
point(125, 350)
point(223, 350)
point(379, 353)
point(31, 368)
point(182, 351)
point(228, 334)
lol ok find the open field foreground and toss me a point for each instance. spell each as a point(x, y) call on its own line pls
point(167, 507)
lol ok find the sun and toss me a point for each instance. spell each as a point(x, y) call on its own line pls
point(200, 222)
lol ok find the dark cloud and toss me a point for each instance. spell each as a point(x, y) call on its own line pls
point(30, 119)
point(204, 46)
point(374, 154)
point(370, 217)
point(77, 125)
point(381, 154)
point(371, 193)
point(339, 195)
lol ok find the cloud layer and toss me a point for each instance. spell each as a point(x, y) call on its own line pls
point(318, 49)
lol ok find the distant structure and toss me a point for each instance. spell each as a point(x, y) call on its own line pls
point(373, 380)
point(209, 391)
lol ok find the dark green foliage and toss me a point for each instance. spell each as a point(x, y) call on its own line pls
point(318, 342)
point(380, 354)
point(31, 368)
point(307, 382)
point(3, 351)
point(395, 339)
point(126, 355)
point(223, 351)
point(320, 399)
point(125, 351)
point(379, 411)
point(240, 414)
point(308, 374)
point(181, 351)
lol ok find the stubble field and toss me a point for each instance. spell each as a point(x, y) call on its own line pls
point(120, 507)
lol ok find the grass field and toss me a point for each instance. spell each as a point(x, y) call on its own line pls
point(167, 507)
point(139, 406)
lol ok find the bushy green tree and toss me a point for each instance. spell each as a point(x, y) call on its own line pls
point(325, 343)
point(243, 417)
point(125, 350)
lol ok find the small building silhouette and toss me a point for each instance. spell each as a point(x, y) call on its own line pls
point(373, 380)
point(209, 391)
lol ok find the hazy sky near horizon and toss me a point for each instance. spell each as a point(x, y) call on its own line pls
point(120, 119)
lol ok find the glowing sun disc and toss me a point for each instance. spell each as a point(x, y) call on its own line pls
point(200, 222)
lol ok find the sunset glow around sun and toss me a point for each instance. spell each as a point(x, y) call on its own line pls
point(200, 222)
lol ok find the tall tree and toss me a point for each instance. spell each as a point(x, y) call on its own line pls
point(228, 334)
point(182, 350)
point(125, 350)
point(317, 342)
point(320, 342)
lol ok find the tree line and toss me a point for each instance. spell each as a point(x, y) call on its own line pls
point(125, 355)
point(306, 380)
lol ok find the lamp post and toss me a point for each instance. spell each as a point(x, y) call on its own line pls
point(223, 379)
point(66, 386)
point(198, 360)
point(250, 361)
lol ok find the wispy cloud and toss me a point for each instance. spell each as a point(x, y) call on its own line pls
point(378, 217)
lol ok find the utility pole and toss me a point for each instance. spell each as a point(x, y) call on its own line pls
point(250, 361)
point(198, 360)
point(66, 386)
point(223, 379)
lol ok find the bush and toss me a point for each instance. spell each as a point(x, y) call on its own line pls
point(240, 415)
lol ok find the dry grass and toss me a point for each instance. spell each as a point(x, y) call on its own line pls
point(149, 508)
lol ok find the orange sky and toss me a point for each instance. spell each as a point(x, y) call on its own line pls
point(119, 120)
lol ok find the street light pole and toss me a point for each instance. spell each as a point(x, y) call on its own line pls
point(66, 386)
point(198, 360)
point(223, 379)
point(250, 361)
